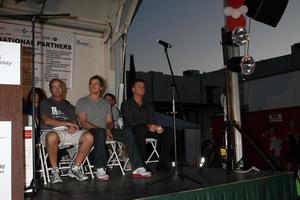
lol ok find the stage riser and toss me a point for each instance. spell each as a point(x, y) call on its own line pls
point(278, 187)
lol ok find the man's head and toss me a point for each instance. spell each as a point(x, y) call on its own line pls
point(56, 88)
point(138, 87)
point(96, 84)
point(110, 98)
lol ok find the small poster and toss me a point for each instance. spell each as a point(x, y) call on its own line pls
point(10, 63)
point(5, 159)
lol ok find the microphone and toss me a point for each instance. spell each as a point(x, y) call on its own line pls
point(165, 44)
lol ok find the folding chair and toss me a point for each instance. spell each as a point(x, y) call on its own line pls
point(63, 164)
point(154, 154)
point(114, 159)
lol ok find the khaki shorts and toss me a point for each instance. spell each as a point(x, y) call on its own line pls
point(64, 136)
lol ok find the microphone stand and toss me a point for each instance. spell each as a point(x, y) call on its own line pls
point(177, 172)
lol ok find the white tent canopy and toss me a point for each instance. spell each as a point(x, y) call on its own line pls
point(99, 23)
point(93, 15)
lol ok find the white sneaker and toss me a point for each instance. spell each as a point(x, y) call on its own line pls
point(55, 178)
point(75, 172)
point(141, 172)
point(101, 174)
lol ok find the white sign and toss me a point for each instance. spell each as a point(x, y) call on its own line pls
point(28, 155)
point(10, 63)
point(53, 51)
point(277, 117)
point(5, 160)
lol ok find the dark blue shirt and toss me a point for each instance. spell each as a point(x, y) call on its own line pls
point(60, 110)
point(134, 114)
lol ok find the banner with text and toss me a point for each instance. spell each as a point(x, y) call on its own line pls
point(53, 52)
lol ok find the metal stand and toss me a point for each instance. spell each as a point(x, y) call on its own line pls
point(34, 185)
point(258, 150)
point(177, 172)
point(232, 125)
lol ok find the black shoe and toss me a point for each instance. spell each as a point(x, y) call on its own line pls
point(165, 166)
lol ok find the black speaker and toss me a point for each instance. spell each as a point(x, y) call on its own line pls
point(266, 11)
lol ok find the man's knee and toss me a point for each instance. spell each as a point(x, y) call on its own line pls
point(88, 138)
point(52, 138)
point(99, 134)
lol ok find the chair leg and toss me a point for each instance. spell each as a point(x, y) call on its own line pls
point(114, 158)
point(154, 145)
point(86, 160)
point(43, 172)
point(67, 164)
point(154, 152)
point(45, 155)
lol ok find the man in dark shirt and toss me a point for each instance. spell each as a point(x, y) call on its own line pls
point(60, 127)
point(139, 116)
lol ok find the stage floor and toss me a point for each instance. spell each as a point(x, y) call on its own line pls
point(124, 187)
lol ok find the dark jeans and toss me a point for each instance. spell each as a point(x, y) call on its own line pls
point(165, 141)
point(125, 136)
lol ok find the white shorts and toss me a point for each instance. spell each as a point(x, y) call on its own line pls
point(64, 136)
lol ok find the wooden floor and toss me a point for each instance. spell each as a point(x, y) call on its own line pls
point(124, 187)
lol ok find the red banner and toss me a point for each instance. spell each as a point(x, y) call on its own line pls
point(276, 132)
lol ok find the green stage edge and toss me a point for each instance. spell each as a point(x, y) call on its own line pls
point(277, 187)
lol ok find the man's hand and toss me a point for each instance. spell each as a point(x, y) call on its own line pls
point(151, 128)
point(159, 130)
point(155, 128)
point(72, 128)
point(109, 135)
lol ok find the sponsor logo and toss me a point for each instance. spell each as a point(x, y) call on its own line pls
point(2, 167)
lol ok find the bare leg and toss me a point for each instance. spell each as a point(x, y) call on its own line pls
point(52, 141)
point(85, 143)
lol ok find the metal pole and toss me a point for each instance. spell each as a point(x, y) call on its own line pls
point(33, 184)
point(233, 104)
point(174, 124)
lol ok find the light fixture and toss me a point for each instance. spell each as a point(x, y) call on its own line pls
point(245, 64)
point(237, 37)
point(240, 36)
